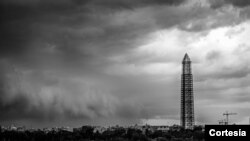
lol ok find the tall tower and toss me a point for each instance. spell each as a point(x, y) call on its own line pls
point(187, 101)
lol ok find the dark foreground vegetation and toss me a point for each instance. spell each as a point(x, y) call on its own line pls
point(86, 133)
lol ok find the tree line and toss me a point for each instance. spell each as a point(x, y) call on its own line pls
point(87, 133)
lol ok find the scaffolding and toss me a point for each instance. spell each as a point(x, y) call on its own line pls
point(187, 102)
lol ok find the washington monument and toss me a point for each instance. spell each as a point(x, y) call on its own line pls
point(187, 101)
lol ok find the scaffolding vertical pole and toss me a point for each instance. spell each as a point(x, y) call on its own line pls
point(187, 101)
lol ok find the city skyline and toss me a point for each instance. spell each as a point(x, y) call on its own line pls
point(72, 62)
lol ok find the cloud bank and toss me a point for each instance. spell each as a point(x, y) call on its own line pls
point(75, 62)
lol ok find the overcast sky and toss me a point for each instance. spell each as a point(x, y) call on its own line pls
point(107, 62)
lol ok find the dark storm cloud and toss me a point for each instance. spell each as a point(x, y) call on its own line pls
point(236, 3)
point(213, 55)
point(229, 73)
point(57, 56)
point(60, 23)
point(130, 4)
point(20, 108)
point(224, 73)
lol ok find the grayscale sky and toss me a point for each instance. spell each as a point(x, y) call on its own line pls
point(107, 62)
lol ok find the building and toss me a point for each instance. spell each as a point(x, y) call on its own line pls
point(99, 129)
point(187, 101)
point(163, 128)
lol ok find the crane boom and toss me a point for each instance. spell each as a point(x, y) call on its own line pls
point(227, 115)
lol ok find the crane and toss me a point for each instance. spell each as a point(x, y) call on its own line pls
point(228, 114)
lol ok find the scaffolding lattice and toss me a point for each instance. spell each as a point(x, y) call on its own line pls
point(187, 102)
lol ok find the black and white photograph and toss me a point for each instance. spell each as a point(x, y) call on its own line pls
point(123, 70)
